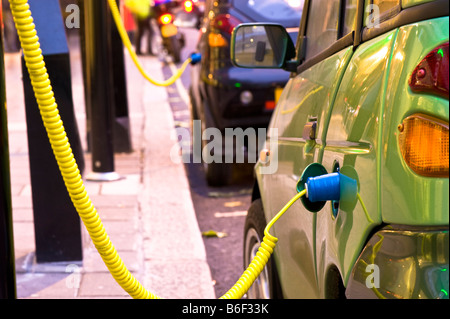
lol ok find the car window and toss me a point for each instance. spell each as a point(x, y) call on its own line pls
point(322, 25)
point(386, 5)
point(377, 11)
point(285, 12)
point(349, 16)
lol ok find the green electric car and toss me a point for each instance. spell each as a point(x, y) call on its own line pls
point(368, 98)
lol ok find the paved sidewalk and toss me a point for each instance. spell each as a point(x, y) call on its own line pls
point(148, 214)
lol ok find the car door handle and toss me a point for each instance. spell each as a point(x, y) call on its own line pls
point(309, 131)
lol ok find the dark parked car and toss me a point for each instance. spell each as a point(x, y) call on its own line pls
point(224, 96)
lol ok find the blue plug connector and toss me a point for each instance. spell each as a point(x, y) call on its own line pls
point(334, 186)
point(195, 58)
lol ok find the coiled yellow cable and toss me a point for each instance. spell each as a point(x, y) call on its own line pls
point(72, 177)
point(126, 41)
point(262, 256)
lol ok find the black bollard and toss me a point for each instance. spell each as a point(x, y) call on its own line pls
point(56, 222)
point(7, 264)
point(118, 90)
point(122, 134)
point(99, 75)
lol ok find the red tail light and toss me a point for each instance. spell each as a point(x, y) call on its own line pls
point(431, 74)
point(166, 18)
point(226, 23)
point(188, 6)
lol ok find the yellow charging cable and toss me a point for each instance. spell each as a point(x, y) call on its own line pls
point(262, 256)
point(63, 153)
point(126, 41)
point(72, 177)
point(74, 184)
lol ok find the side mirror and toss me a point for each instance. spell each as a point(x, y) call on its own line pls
point(261, 45)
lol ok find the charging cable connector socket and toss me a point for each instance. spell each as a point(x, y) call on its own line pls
point(195, 58)
point(334, 186)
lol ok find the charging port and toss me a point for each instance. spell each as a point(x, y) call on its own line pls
point(322, 187)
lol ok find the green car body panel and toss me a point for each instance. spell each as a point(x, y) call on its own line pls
point(407, 198)
point(353, 142)
point(358, 98)
point(307, 97)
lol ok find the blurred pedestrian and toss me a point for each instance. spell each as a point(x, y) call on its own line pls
point(143, 13)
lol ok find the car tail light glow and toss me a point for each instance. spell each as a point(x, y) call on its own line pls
point(166, 18)
point(431, 74)
point(424, 143)
point(216, 40)
point(225, 23)
point(188, 6)
point(270, 105)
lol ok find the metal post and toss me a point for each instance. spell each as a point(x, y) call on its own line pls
point(119, 99)
point(122, 135)
point(56, 222)
point(98, 66)
point(121, 132)
point(7, 264)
